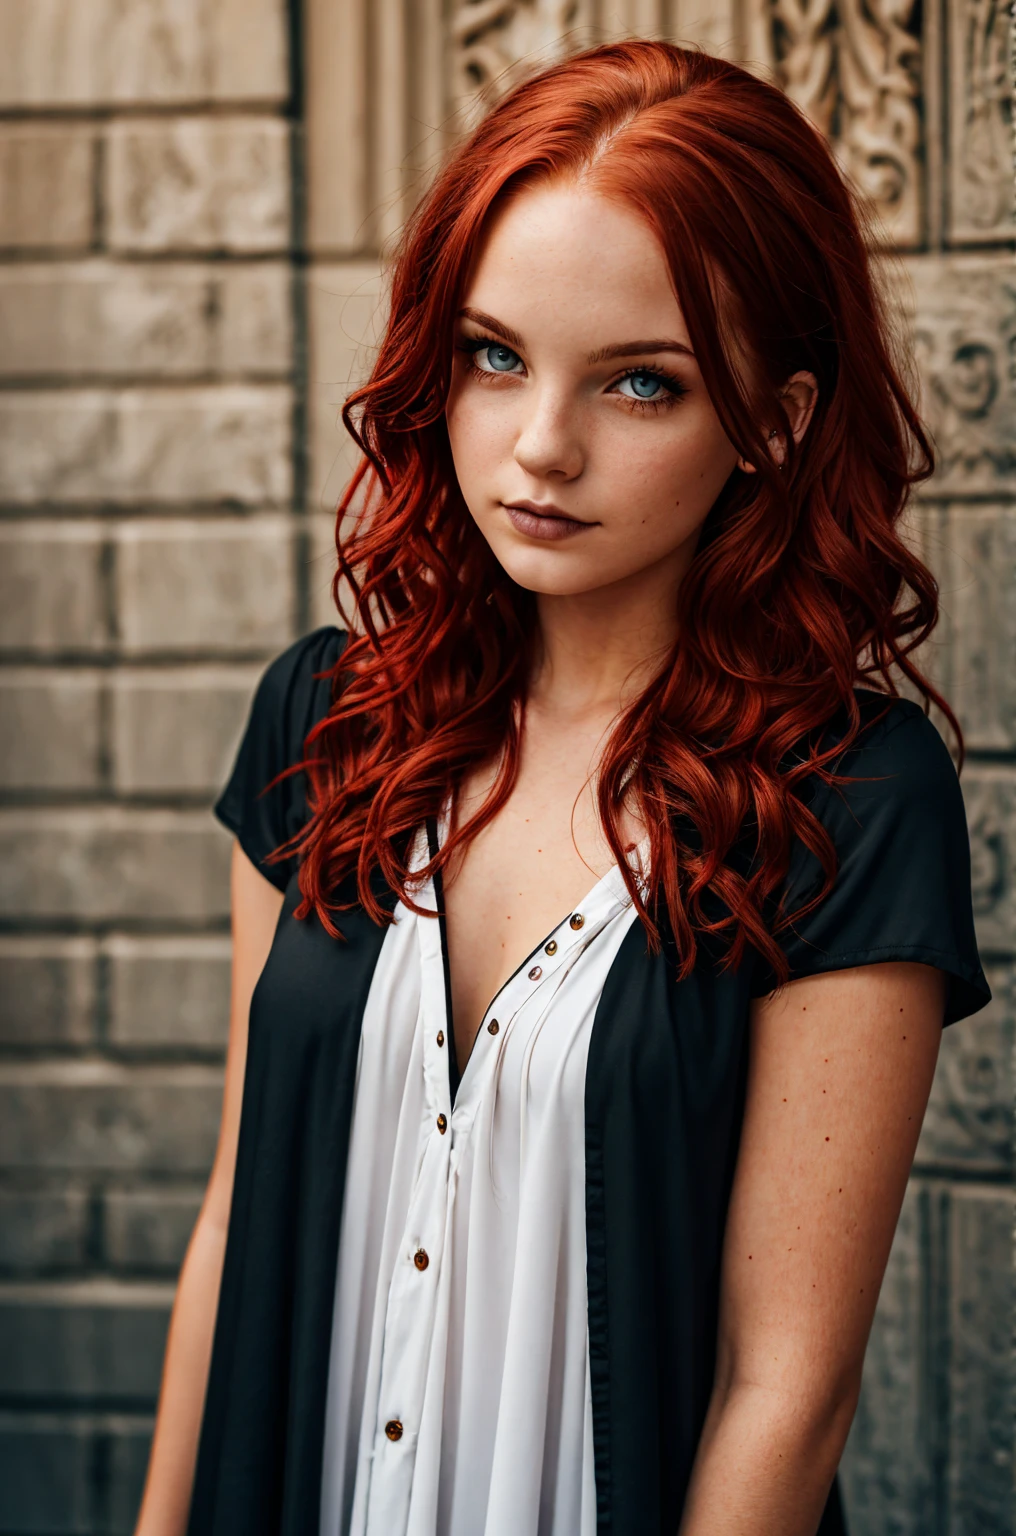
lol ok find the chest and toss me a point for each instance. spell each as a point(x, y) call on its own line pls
point(523, 875)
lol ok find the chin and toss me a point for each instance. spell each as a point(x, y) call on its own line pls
point(556, 572)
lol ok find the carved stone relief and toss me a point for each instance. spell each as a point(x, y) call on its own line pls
point(980, 120)
point(969, 1118)
point(492, 43)
point(976, 568)
point(961, 314)
point(990, 795)
point(854, 67)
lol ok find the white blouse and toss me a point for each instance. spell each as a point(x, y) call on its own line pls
point(458, 1389)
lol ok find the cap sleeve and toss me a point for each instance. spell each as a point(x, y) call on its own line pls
point(902, 888)
point(289, 699)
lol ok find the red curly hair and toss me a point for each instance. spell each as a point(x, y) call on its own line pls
point(800, 589)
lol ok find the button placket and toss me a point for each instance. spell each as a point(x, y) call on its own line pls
point(418, 1290)
point(412, 1302)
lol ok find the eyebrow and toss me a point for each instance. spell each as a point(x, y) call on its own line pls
point(601, 355)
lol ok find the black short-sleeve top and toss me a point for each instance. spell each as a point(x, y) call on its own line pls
point(664, 1098)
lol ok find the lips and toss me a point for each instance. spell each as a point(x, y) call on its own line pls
point(542, 520)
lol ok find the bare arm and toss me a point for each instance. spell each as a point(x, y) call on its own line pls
point(841, 1068)
point(166, 1504)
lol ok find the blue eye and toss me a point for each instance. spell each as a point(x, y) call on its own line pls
point(645, 386)
point(500, 358)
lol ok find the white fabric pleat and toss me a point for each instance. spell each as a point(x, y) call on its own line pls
point(482, 1356)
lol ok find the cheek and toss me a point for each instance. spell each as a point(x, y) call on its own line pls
point(679, 469)
point(478, 435)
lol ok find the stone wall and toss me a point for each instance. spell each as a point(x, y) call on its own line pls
point(194, 199)
point(151, 558)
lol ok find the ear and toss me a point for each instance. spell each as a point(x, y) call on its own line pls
point(799, 396)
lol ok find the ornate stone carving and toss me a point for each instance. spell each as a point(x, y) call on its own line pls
point(969, 1118)
point(990, 795)
point(976, 566)
point(980, 112)
point(494, 42)
point(961, 314)
point(853, 66)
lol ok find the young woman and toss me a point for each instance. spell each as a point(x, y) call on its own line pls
point(565, 1211)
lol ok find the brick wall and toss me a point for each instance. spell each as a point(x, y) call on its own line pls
point(151, 558)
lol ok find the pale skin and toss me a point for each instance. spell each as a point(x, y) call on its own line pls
point(840, 1065)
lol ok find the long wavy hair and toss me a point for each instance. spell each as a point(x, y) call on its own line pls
point(800, 588)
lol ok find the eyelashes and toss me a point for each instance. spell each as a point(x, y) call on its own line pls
point(473, 344)
point(674, 388)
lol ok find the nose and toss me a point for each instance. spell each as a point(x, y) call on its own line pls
point(549, 445)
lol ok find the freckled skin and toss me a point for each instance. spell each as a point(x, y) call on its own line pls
point(643, 473)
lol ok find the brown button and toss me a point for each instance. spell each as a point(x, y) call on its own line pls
point(440, 1037)
point(420, 1258)
point(442, 1124)
point(535, 973)
point(393, 1429)
point(551, 948)
point(493, 1027)
point(576, 920)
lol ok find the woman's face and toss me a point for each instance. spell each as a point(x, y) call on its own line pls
point(575, 390)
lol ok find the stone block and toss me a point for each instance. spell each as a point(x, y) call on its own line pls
point(198, 184)
point(224, 584)
point(972, 550)
point(990, 796)
point(345, 316)
point(212, 443)
point(68, 1474)
point(100, 864)
point(169, 993)
point(887, 1471)
point(100, 1340)
point(975, 561)
point(42, 1230)
point(979, 598)
point(47, 1475)
point(147, 1230)
point(47, 991)
point(961, 314)
point(82, 53)
point(171, 319)
point(101, 1115)
point(979, 162)
point(52, 586)
point(177, 731)
point(969, 1123)
point(49, 731)
point(47, 199)
point(255, 320)
point(981, 1378)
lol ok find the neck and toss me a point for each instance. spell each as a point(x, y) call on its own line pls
point(597, 650)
